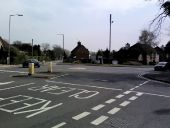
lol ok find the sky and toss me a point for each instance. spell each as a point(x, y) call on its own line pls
point(86, 21)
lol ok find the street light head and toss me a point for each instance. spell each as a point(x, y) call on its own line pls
point(19, 15)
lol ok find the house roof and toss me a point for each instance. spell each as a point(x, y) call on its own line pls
point(143, 48)
point(79, 46)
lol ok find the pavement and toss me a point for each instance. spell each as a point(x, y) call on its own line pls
point(162, 76)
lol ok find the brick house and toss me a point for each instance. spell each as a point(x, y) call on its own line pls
point(80, 52)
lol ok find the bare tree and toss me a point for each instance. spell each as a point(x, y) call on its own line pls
point(148, 38)
point(159, 19)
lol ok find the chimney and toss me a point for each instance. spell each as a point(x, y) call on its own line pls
point(79, 43)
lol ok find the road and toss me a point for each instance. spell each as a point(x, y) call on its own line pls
point(83, 96)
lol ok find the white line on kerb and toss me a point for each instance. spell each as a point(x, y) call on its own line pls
point(91, 86)
point(99, 120)
point(80, 116)
point(119, 96)
point(4, 83)
point(59, 125)
point(16, 86)
point(114, 111)
point(98, 107)
point(110, 101)
point(133, 98)
point(125, 103)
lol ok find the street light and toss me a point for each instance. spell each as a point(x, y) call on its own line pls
point(8, 59)
point(63, 45)
point(110, 34)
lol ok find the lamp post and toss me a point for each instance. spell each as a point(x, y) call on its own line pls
point(8, 59)
point(32, 48)
point(110, 34)
point(63, 45)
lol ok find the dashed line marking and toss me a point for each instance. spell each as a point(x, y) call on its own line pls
point(125, 103)
point(4, 83)
point(110, 101)
point(98, 107)
point(139, 94)
point(80, 116)
point(133, 98)
point(114, 111)
point(127, 92)
point(59, 125)
point(140, 85)
point(99, 120)
point(120, 96)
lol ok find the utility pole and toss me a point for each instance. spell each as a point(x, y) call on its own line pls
point(110, 33)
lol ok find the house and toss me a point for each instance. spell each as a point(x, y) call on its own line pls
point(143, 53)
point(3, 44)
point(3, 50)
point(80, 53)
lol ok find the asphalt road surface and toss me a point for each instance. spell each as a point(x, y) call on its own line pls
point(78, 96)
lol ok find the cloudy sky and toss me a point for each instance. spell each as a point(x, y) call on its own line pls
point(79, 20)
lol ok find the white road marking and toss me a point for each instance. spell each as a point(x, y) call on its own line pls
point(12, 71)
point(91, 86)
point(16, 86)
point(99, 120)
point(59, 125)
point(120, 96)
point(140, 85)
point(152, 94)
point(125, 103)
point(110, 101)
point(77, 68)
point(98, 107)
point(80, 116)
point(104, 80)
point(139, 94)
point(127, 92)
point(4, 83)
point(114, 111)
point(133, 98)
point(59, 76)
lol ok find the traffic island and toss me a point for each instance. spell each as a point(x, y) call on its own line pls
point(44, 75)
point(35, 76)
point(162, 76)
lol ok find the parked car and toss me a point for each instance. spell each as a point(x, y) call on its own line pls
point(26, 63)
point(162, 66)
